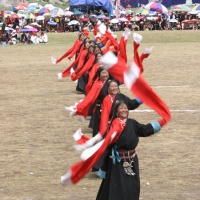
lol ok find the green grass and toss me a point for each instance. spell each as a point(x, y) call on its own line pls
point(187, 36)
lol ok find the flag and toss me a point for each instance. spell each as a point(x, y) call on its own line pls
point(116, 11)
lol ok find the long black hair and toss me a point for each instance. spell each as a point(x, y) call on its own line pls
point(115, 108)
point(87, 55)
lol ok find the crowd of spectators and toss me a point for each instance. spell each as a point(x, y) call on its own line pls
point(136, 22)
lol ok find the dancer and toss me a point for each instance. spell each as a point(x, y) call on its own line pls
point(96, 94)
point(72, 51)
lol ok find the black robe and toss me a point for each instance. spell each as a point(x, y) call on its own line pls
point(118, 185)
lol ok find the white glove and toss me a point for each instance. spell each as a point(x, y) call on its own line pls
point(148, 50)
point(108, 60)
point(102, 28)
point(126, 33)
point(53, 60)
point(137, 38)
point(59, 75)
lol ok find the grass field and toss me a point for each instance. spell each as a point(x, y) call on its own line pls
point(36, 131)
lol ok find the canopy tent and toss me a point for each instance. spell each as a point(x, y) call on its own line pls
point(86, 5)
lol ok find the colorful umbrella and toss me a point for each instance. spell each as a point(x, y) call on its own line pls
point(31, 9)
point(8, 28)
point(52, 23)
point(49, 6)
point(8, 13)
point(73, 22)
point(181, 8)
point(114, 21)
point(38, 18)
point(28, 30)
point(68, 13)
point(77, 12)
point(22, 4)
point(123, 19)
point(57, 11)
point(47, 15)
point(30, 16)
point(20, 7)
point(106, 18)
point(135, 19)
point(197, 7)
point(14, 16)
point(194, 12)
point(43, 10)
point(144, 11)
point(35, 24)
point(156, 7)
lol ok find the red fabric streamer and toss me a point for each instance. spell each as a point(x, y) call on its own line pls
point(68, 52)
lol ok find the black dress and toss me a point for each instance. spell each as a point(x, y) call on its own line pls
point(117, 184)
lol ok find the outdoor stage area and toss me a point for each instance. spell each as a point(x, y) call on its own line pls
point(37, 146)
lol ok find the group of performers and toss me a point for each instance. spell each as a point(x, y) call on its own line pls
point(100, 67)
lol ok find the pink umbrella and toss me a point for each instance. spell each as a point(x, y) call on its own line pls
point(14, 16)
point(105, 18)
point(22, 4)
point(21, 7)
point(156, 7)
point(68, 13)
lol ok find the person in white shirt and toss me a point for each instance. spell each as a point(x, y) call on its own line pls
point(34, 38)
point(43, 38)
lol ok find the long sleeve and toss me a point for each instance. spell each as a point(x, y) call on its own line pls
point(143, 130)
point(132, 103)
point(105, 114)
point(67, 53)
point(84, 69)
point(75, 49)
point(83, 107)
point(122, 49)
point(91, 155)
point(66, 72)
point(91, 74)
point(81, 60)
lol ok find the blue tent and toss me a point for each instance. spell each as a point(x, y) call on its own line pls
point(86, 5)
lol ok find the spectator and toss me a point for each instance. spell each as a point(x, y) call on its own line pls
point(43, 38)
